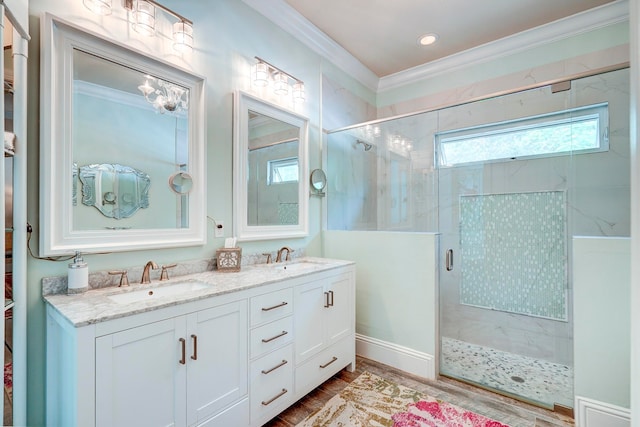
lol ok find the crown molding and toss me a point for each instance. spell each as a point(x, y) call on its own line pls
point(287, 18)
point(609, 14)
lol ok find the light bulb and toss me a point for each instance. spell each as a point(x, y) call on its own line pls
point(281, 84)
point(298, 92)
point(261, 74)
point(144, 18)
point(183, 36)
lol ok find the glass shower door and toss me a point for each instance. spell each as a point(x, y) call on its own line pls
point(504, 309)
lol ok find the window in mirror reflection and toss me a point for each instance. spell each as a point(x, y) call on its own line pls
point(115, 121)
point(272, 171)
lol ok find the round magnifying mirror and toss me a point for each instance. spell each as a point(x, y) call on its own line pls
point(318, 180)
point(181, 182)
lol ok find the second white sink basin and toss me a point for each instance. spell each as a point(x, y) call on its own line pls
point(157, 292)
point(295, 265)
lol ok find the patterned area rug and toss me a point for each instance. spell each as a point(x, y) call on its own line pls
point(372, 401)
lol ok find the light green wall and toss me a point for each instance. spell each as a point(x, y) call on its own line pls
point(396, 284)
point(602, 319)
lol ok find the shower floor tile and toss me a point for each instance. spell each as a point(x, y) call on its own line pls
point(532, 379)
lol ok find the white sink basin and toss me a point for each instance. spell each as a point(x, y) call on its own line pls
point(157, 292)
point(295, 265)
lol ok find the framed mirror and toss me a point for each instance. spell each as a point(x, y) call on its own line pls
point(270, 163)
point(120, 148)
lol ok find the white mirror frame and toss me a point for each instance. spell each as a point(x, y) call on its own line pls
point(57, 236)
point(243, 102)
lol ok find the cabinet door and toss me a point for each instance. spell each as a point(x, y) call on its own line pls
point(139, 378)
point(217, 359)
point(309, 303)
point(339, 314)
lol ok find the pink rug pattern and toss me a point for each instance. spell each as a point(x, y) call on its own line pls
point(440, 414)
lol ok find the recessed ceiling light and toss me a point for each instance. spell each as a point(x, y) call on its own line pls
point(427, 39)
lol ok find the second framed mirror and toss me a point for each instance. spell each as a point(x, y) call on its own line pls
point(270, 163)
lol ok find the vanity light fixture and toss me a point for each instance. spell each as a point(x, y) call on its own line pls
point(143, 19)
point(99, 7)
point(164, 96)
point(264, 73)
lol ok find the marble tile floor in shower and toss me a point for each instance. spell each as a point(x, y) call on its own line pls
point(533, 379)
point(500, 408)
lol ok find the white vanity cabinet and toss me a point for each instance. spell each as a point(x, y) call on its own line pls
point(325, 328)
point(178, 371)
point(236, 358)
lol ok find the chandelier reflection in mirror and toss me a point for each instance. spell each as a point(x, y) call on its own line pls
point(164, 96)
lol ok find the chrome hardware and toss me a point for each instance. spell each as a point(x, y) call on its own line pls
point(282, 304)
point(265, 340)
point(183, 343)
point(268, 255)
point(164, 274)
point(194, 356)
point(124, 279)
point(280, 251)
point(282, 393)
point(279, 365)
point(328, 363)
point(449, 260)
point(145, 273)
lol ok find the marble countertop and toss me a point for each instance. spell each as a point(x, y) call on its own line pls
point(104, 304)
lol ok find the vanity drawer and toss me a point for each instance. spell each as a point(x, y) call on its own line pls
point(271, 384)
point(268, 307)
point(271, 336)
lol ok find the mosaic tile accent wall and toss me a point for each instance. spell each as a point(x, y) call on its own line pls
point(513, 253)
point(288, 213)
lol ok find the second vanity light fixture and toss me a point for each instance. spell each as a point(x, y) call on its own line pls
point(143, 17)
point(264, 74)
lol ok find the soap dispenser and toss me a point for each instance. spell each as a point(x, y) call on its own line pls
point(77, 275)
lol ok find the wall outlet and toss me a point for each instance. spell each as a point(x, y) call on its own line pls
point(218, 229)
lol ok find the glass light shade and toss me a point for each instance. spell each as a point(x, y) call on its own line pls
point(144, 18)
point(183, 36)
point(261, 74)
point(280, 84)
point(99, 7)
point(298, 92)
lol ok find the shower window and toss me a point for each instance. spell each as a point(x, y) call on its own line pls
point(578, 130)
point(282, 170)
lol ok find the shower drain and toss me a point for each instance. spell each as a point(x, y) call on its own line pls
point(517, 379)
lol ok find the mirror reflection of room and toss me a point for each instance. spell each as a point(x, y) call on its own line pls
point(272, 185)
point(127, 120)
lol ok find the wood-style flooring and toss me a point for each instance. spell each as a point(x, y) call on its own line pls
point(497, 407)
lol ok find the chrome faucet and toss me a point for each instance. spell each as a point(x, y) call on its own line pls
point(280, 251)
point(145, 272)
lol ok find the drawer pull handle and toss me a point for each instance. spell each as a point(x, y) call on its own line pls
point(282, 393)
point(194, 356)
point(326, 300)
point(282, 304)
point(279, 365)
point(265, 340)
point(331, 295)
point(329, 363)
point(183, 344)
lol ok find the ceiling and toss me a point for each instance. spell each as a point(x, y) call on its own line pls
point(383, 34)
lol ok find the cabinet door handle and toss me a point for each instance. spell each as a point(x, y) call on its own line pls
point(326, 300)
point(282, 393)
point(279, 365)
point(329, 362)
point(282, 304)
point(283, 333)
point(183, 344)
point(194, 356)
point(331, 294)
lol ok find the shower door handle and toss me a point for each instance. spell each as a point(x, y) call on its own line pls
point(449, 260)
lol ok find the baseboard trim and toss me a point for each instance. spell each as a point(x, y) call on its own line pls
point(593, 413)
point(403, 358)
